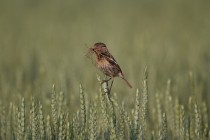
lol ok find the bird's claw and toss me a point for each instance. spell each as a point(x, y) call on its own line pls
point(103, 81)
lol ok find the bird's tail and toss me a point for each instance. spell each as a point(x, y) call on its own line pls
point(127, 82)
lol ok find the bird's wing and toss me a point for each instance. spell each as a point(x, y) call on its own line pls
point(111, 60)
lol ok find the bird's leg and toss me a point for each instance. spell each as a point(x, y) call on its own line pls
point(105, 80)
point(111, 84)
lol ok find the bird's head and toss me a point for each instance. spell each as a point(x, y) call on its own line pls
point(99, 48)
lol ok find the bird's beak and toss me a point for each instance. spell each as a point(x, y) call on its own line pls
point(92, 49)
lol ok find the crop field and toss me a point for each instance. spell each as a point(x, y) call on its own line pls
point(50, 89)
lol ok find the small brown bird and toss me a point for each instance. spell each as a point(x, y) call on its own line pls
point(107, 64)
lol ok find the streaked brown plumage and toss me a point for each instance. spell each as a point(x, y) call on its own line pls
point(107, 64)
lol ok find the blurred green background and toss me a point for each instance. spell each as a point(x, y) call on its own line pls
point(44, 42)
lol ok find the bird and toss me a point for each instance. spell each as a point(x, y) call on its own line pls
point(107, 64)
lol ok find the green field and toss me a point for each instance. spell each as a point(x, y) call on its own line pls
point(49, 88)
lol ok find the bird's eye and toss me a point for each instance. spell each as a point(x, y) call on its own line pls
point(93, 49)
